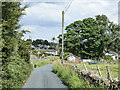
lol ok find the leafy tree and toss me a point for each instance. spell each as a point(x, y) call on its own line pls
point(15, 51)
point(35, 52)
point(11, 13)
point(53, 39)
point(108, 33)
point(82, 38)
point(90, 37)
point(40, 41)
point(45, 42)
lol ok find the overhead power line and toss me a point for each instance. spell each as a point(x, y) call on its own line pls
point(68, 5)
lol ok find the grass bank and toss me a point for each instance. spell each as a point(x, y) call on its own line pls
point(68, 76)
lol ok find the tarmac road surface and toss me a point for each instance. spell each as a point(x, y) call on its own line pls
point(43, 77)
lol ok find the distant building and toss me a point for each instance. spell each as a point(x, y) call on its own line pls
point(112, 54)
point(50, 51)
point(87, 60)
point(72, 58)
point(32, 46)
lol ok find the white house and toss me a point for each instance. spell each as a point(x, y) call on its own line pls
point(50, 51)
point(87, 60)
point(112, 54)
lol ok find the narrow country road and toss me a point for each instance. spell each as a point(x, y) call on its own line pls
point(43, 77)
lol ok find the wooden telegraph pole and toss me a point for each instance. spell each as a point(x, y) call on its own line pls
point(62, 36)
point(63, 12)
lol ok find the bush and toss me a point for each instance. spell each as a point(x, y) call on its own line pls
point(107, 57)
point(16, 73)
point(69, 76)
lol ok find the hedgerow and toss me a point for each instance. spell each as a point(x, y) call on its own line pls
point(16, 74)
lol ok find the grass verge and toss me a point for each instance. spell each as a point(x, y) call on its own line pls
point(69, 77)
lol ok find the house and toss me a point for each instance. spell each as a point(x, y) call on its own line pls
point(72, 58)
point(112, 54)
point(87, 60)
point(50, 51)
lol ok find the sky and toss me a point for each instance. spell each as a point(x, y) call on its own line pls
point(44, 17)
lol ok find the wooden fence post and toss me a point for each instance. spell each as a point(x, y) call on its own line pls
point(108, 73)
point(99, 71)
point(85, 67)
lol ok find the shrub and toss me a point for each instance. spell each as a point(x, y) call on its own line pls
point(69, 76)
point(65, 54)
point(16, 73)
point(107, 57)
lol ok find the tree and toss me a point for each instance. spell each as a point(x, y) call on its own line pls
point(108, 33)
point(40, 41)
point(90, 37)
point(11, 13)
point(45, 42)
point(15, 51)
point(82, 38)
point(53, 39)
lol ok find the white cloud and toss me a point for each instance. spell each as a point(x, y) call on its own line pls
point(83, 9)
point(43, 19)
point(44, 11)
point(42, 32)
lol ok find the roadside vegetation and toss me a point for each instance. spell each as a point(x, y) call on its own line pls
point(69, 77)
point(16, 66)
point(40, 63)
point(53, 57)
point(17, 73)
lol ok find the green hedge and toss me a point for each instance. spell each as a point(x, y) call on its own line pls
point(16, 74)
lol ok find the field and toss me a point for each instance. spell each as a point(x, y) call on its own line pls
point(53, 57)
point(40, 63)
point(102, 66)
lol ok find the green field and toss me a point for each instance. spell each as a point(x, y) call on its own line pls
point(102, 66)
point(40, 63)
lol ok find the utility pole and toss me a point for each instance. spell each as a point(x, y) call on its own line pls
point(63, 12)
point(62, 35)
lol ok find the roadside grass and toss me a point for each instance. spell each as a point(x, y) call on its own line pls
point(69, 76)
point(55, 57)
point(102, 66)
point(40, 63)
point(33, 56)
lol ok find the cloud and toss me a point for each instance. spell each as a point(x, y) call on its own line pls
point(43, 14)
point(37, 32)
point(44, 19)
point(84, 9)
